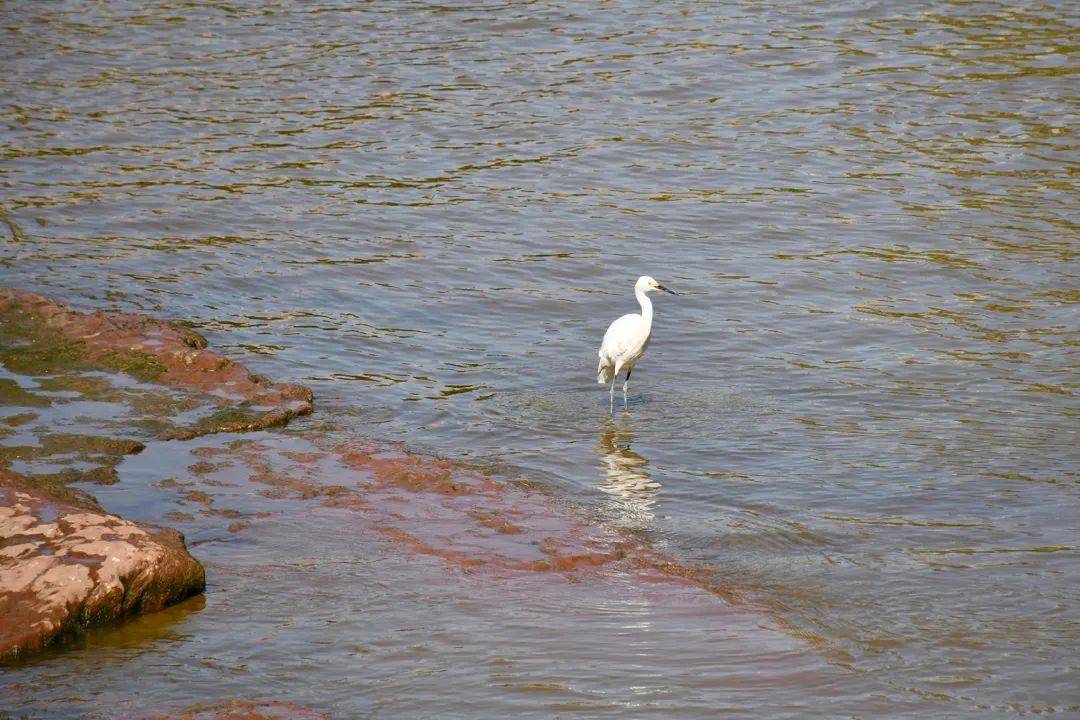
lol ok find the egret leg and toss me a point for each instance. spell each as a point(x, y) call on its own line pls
point(611, 409)
point(625, 385)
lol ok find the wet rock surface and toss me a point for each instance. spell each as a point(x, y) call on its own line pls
point(66, 567)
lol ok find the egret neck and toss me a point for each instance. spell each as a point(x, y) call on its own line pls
point(646, 309)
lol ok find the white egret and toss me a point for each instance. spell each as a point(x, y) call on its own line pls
point(626, 339)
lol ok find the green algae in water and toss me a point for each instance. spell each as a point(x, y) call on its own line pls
point(92, 386)
point(62, 447)
point(155, 427)
point(49, 357)
point(139, 365)
point(11, 393)
point(235, 417)
point(57, 443)
point(19, 419)
point(28, 348)
point(43, 357)
point(100, 475)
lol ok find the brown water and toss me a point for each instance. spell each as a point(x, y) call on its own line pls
point(863, 407)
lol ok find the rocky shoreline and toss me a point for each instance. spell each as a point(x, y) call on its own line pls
point(66, 565)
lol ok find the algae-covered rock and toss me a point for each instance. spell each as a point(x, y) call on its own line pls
point(71, 365)
point(40, 336)
point(66, 566)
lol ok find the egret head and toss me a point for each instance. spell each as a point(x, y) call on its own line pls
point(646, 284)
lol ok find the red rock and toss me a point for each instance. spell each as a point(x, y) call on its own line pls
point(66, 568)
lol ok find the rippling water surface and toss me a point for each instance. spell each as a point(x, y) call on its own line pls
point(862, 406)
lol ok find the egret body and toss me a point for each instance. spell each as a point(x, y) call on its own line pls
point(626, 339)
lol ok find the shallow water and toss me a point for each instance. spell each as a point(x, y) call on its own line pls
point(386, 632)
point(862, 407)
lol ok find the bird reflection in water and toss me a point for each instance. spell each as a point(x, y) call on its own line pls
point(626, 480)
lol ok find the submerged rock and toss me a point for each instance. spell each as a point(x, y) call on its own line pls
point(246, 710)
point(66, 566)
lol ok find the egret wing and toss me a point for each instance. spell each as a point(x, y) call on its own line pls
point(622, 337)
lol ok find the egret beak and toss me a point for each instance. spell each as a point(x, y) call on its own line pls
point(661, 287)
